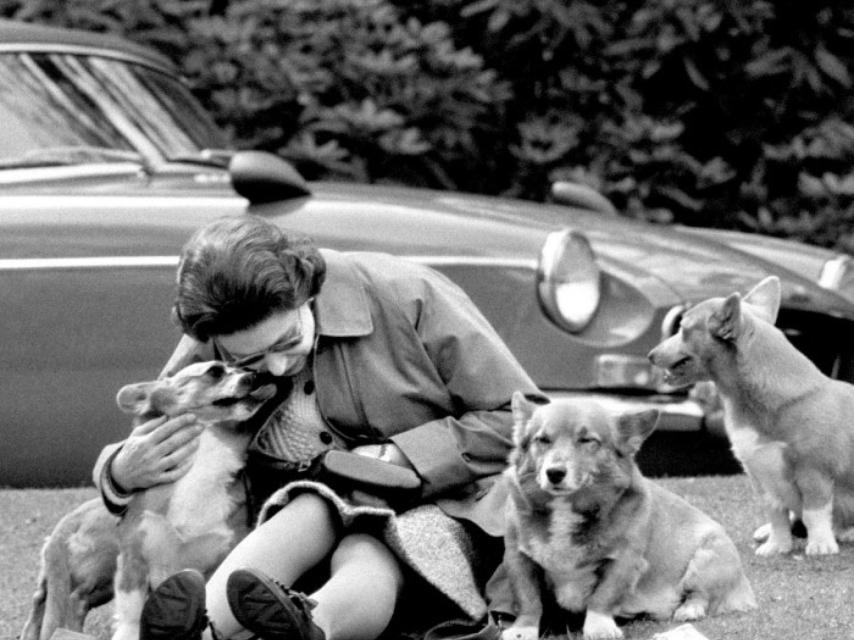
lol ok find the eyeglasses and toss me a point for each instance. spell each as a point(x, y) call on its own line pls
point(287, 342)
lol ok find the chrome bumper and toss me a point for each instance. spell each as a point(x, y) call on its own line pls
point(676, 415)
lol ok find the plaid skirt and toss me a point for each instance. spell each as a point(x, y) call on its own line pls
point(435, 546)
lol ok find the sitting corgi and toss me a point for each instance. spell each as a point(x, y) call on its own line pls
point(92, 556)
point(789, 425)
point(607, 542)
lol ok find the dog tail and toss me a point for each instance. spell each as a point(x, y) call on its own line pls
point(51, 595)
point(55, 582)
point(33, 625)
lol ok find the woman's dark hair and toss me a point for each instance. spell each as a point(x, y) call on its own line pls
point(235, 272)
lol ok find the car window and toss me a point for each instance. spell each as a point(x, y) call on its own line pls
point(66, 109)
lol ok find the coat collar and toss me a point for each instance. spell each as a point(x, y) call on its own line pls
point(341, 309)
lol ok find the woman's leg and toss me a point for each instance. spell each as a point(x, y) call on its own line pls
point(358, 600)
point(284, 547)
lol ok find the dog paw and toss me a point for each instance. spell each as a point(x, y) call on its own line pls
point(690, 611)
point(762, 533)
point(520, 633)
point(598, 626)
point(774, 548)
point(822, 547)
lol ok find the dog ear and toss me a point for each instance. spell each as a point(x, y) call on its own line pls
point(522, 410)
point(135, 398)
point(764, 298)
point(634, 428)
point(725, 322)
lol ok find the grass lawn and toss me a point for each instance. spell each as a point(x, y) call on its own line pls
point(799, 597)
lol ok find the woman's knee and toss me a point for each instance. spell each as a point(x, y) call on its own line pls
point(291, 541)
point(363, 551)
point(308, 510)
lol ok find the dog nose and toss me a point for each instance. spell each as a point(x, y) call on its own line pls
point(259, 378)
point(555, 474)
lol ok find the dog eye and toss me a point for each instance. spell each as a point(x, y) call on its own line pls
point(216, 371)
point(542, 438)
point(593, 443)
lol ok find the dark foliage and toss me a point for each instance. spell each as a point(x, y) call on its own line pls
point(703, 112)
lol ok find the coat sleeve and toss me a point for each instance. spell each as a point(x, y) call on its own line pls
point(480, 374)
point(187, 351)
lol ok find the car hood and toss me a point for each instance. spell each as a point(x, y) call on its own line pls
point(670, 265)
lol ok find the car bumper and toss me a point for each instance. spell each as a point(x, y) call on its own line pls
point(684, 414)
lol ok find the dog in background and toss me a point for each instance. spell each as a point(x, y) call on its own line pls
point(583, 522)
point(92, 556)
point(789, 425)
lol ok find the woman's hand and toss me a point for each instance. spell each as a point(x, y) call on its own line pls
point(387, 452)
point(160, 450)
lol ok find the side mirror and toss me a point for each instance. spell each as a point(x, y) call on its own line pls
point(260, 177)
point(581, 196)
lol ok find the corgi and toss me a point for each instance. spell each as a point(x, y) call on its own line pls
point(583, 522)
point(789, 425)
point(93, 556)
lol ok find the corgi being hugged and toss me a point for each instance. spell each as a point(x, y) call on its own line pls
point(92, 556)
point(583, 522)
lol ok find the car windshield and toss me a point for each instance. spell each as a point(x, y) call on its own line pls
point(61, 109)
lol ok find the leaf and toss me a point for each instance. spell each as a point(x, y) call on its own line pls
point(839, 186)
point(408, 142)
point(697, 78)
point(769, 64)
point(832, 66)
point(681, 198)
point(810, 186)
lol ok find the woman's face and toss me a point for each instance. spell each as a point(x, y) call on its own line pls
point(279, 344)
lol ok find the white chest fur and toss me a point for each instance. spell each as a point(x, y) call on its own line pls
point(564, 562)
point(763, 458)
point(745, 437)
point(201, 502)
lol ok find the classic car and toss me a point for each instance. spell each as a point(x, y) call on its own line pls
point(108, 164)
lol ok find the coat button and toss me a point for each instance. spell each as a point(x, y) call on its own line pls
point(325, 437)
point(309, 387)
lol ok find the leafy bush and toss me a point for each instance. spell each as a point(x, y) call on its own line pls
point(701, 112)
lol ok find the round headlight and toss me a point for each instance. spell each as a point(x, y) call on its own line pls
point(569, 280)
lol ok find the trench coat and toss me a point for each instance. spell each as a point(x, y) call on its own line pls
point(403, 355)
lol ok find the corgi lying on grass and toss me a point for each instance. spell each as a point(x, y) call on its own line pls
point(584, 523)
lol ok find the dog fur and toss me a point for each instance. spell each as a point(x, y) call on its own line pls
point(584, 523)
point(789, 425)
point(93, 556)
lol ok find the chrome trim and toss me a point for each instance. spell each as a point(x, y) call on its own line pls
point(27, 48)
point(474, 261)
point(625, 371)
point(111, 262)
point(119, 167)
point(674, 414)
point(833, 272)
point(154, 262)
point(17, 203)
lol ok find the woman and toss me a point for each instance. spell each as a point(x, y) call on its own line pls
point(381, 356)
